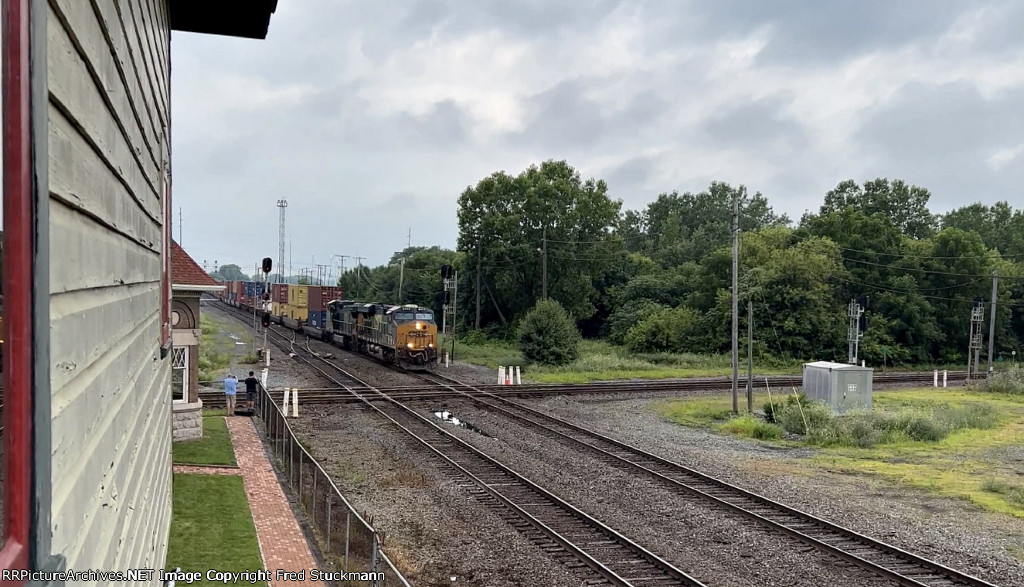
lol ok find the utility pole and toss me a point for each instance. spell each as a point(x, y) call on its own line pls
point(750, 355)
point(735, 303)
point(992, 320)
point(544, 263)
point(289, 259)
point(855, 312)
point(281, 205)
point(359, 271)
point(401, 278)
point(408, 242)
point(477, 324)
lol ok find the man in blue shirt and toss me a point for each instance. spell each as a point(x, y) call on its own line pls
point(230, 388)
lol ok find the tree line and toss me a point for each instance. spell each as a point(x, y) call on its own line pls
point(658, 279)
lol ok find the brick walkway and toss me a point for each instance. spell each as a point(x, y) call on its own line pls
point(193, 470)
point(281, 540)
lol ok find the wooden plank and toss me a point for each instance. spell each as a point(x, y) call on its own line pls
point(141, 51)
point(151, 26)
point(103, 414)
point(105, 12)
point(98, 50)
point(107, 314)
point(91, 256)
point(72, 83)
point(83, 181)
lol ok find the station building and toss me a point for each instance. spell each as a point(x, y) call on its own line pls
point(87, 283)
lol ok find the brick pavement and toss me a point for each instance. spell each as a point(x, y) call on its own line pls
point(281, 540)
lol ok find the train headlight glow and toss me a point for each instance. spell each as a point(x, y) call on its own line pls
point(409, 345)
point(431, 345)
point(419, 326)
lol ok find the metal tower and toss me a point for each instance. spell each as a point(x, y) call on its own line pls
point(281, 205)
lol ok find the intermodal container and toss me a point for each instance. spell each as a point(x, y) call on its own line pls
point(279, 293)
point(298, 296)
point(275, 308)
point(320, 296)
point(317, 318)
point(314, 297)
point(300, 314)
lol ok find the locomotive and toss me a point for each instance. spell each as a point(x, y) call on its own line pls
point(405, 335)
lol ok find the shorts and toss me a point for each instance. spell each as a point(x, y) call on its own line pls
point(250, 396)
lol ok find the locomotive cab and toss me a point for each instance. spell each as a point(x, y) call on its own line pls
point(415, 335)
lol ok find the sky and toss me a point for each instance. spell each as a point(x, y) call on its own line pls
point(371, 118)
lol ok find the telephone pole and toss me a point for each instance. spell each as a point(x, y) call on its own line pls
point(359, 272)
point(992, 320)
point(750, 355)
point(974, 345)
point(477, 326)
point(735, 303)
point(544, 263)
point(401, 278)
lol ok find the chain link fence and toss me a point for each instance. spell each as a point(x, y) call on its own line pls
point(348, 542)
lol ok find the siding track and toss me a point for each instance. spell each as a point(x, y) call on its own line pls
point(885, 560)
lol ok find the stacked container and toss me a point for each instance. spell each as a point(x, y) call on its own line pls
point(298, 296)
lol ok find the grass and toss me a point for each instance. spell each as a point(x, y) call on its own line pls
point(214, 448)
point(212, 527)
point(602, 361)
point(944, 441)
point(220, 336)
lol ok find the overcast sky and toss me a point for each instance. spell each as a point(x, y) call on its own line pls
point(372, 117)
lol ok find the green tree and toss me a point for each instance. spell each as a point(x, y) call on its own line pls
point(548, 335)
point(666, 330)
point(999, 226)
point(904, 205)
point(229, 272)
point(507, 222)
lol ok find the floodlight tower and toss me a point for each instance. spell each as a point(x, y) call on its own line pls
point(281, 205)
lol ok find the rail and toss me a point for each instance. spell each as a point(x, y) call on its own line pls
point(347, 540)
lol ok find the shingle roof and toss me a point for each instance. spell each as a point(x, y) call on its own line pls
point(185, 271)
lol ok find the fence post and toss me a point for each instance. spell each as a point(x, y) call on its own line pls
point(348, 525)
point(313, 499)
point(373, 560)
point(284, 408)
point(935, 378)
point(301, 452)
point(329, 523)
point(944, 373)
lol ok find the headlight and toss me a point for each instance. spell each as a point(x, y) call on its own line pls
point(431, 345)
point(419, 326)
point(409, 345)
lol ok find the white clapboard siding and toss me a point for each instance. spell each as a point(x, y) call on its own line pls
point(108, 71)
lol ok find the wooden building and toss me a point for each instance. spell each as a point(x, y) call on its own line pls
point(87, 280)
point(188, 283)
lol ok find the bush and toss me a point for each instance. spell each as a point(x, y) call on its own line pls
point(1006, 381)
point(666, 330)
point(810, 419)
point(548, 335)
point(752, 427)
point(629, 315)
point(475, 338)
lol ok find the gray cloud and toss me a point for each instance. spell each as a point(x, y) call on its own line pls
point(372, 117)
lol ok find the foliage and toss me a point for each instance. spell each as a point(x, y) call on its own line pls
point(665, 330)
point(548, 336)
point(752, 427)
point(229, 273)
point(1006, 381)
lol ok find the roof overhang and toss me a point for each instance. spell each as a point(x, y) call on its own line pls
point(234, 18)
point(186, 287)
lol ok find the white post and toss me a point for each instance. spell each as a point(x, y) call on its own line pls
point(501, 375)
point(519, 376)
point(944, 378)
point(284, 408)
point(266, 354)
point(935, 378)
point(263, 377)
point(295, 402)
point(863, 363)
point(446, 361)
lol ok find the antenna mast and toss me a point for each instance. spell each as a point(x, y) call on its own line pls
point(281, 205)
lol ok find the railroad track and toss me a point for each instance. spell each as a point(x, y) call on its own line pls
point(567, 534)
point(883, 559)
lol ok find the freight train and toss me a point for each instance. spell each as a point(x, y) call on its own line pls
point(404, 336)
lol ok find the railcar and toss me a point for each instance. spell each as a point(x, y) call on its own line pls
point(405, 336)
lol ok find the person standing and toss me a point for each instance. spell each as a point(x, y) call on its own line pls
point(230, 390)
point(251, 385)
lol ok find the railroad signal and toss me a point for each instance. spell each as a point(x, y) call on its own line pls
point(266, 320)
point(268, 264)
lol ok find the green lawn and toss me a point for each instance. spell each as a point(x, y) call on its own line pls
point(972, 462)
point(212, 527)
point(602, 361)
point(214, 448)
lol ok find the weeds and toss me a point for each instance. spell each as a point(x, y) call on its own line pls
point(752, 427)
point(1006, 381)
point(1013, 493)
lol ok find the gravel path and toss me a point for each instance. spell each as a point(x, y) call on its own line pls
point(434, 528)
point(949, 531)
point(715, 547)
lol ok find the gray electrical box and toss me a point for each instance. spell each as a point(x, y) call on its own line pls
point(841, 386)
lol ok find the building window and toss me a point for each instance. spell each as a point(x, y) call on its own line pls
point(179, 374)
